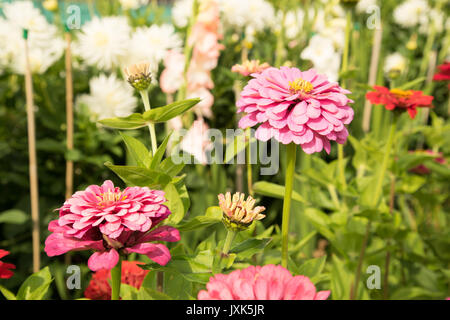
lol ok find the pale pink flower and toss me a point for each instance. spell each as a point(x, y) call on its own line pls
point(269, 282)
point(203, 108)
point(109, 221)
point(250, 66)
point(171, 78)
point(295, 106)
point(197, 142)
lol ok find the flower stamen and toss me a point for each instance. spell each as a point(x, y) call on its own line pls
point(300, 85)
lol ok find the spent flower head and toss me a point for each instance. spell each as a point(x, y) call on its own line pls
point(139, 75)
point(238, 213)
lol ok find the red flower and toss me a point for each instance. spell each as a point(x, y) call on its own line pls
point(421, 168)
point(5, 273)
point(399, 99)
point(444, 73)
point(99, 287)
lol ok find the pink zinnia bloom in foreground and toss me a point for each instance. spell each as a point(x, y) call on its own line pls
point(269, 282)
point(295, 106)
point(109, 221)
point(5, 272)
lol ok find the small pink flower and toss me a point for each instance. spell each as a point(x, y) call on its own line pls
point(196, 142)
point(110, 221)
point(269, 282)
point(294, 106)
point(172, 77)
point(250, 66)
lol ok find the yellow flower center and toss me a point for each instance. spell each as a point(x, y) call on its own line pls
point(300, 85)
point(110, 197)
point(399, 93)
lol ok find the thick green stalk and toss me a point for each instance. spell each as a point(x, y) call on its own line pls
point(289, 182)
point(384, 164)
point(151, 126)
point(249, 164)
point(375, 199)
point(344, 68)
point(188, 50)
point(116, 277)
point(228, 241)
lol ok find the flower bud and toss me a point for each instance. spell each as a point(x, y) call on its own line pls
point(238, 214)
point(139, 75)
point(50, 5)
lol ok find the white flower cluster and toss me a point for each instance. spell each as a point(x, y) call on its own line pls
point(132, 4)
point(108, 43)
point(109, 97)
point(249, 15)
point(325, 47)
point(417, 13)
point(395, 63)
point(45, 45)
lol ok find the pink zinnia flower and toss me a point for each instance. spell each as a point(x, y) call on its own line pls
point(295, 106)
point(5, 268)
point(110, 221)
point(269, 282)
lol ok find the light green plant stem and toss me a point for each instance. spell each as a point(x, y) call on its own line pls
point(384, 164)
point(188, 50)
point(116, 277)
point(249, 164)
point(228, 241)
point(344, 68)
point(429, 43)
point(375, 199)
point(151, 126)
point(289, 182)
point(279, 53)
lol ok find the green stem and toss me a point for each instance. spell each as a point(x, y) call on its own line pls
point(151, 126)
point(249, 164)
point(344, 68)
point(375, 199)
point(354, 288)
point(279, 54)
point(116, 277)
point(384, 164)
point(188, 50)
point(228, 241)
point(289, 182)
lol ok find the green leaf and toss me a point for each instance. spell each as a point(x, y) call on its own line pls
point(249, 247)
point(321, 222)
point(13, 216)
point(237, 146)
point(165, 113)
point(174, 203)
point(213, 215)
point(157, 157)
point(137, 150)
point(273, 190)
point(312, 267)
point(35, 286)
point(152, 294)
point(171, 168)
point(410, 293)
point(303, 242)
point(412, 83)
point(133, 121)
point(7, 294)
point(141, 177)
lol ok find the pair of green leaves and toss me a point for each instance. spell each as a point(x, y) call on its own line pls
point(33, 288)
point(156, 115)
